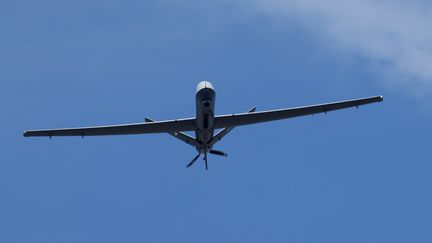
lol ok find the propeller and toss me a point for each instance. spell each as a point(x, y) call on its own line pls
point(193, 161)
point(217, 152)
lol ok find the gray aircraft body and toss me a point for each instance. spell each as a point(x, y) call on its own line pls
point(204, 123)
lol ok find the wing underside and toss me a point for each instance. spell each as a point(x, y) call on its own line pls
point(127, 129)
point(179, 135)
point(265, 116)
point(228, 122)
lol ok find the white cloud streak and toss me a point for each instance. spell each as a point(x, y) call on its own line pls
point(397, 33)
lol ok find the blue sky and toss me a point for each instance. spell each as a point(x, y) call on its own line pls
point(348, 176)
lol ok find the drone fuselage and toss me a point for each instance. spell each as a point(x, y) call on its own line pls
point(205, 104)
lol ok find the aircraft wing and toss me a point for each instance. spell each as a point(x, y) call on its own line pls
point(180, 135)
point(265, 116)
point(222, 133)
point(136, 128)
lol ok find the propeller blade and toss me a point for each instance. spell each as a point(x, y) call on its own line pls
point(205, 158)
point(193, 161)
point(217, 152)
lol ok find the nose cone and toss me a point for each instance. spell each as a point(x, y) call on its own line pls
point(204, 85)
